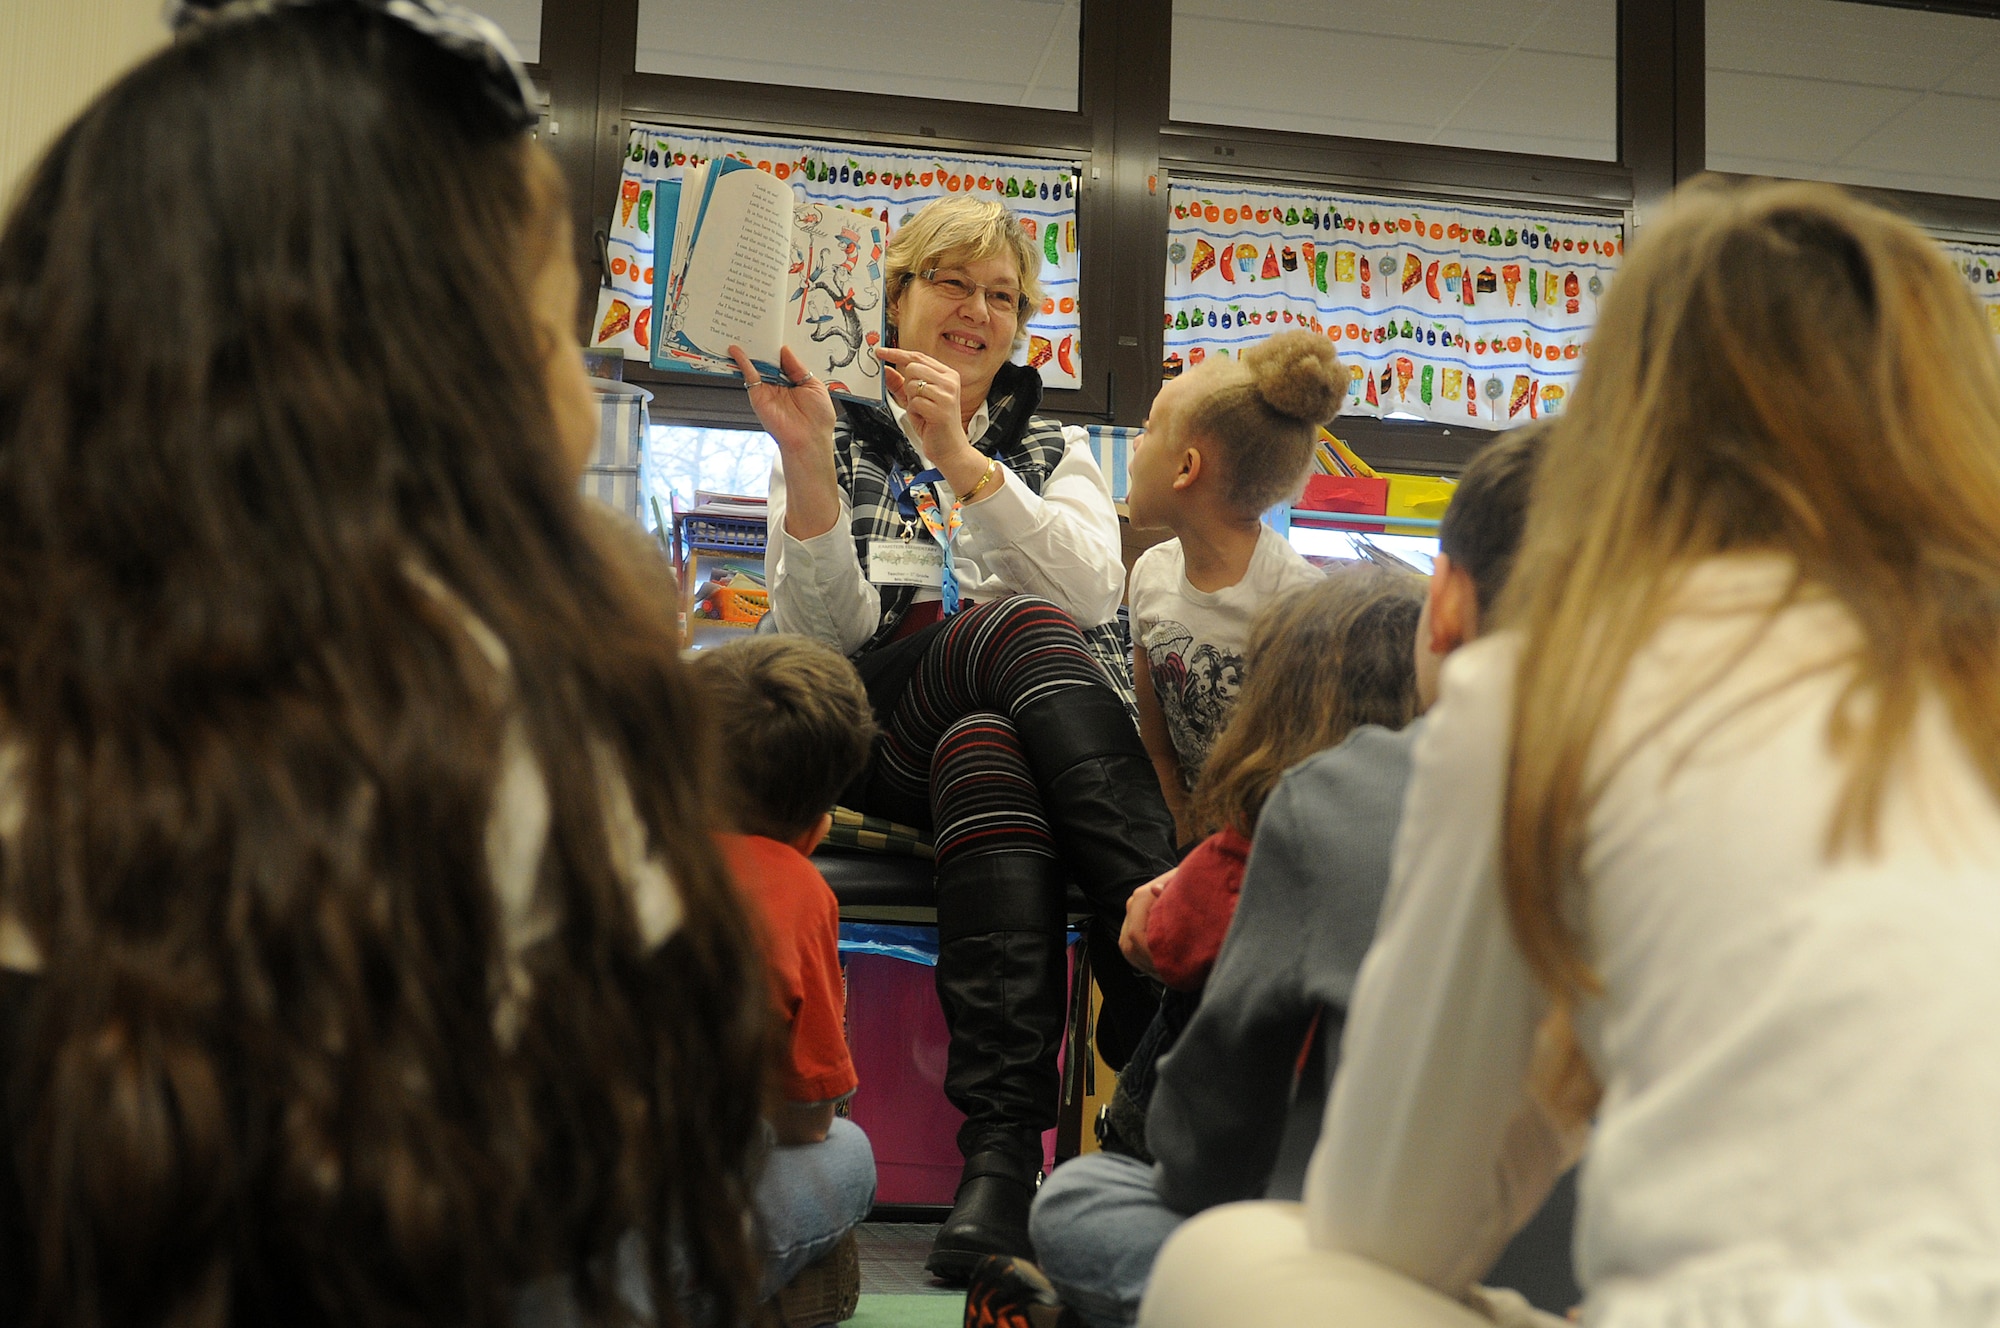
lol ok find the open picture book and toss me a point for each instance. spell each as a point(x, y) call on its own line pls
point(750, 265)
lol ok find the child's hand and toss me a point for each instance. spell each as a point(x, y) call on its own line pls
point(1132, 938)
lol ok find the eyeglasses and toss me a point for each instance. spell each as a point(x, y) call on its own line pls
point(1003, 299)
point(469, 36)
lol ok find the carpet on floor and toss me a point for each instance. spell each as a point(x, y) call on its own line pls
point(896, 1292)
point(892, 1259)
point(929, 1311)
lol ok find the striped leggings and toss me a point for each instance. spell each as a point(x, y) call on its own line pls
point(949, 743)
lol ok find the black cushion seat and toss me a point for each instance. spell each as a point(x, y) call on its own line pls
point(893, 887)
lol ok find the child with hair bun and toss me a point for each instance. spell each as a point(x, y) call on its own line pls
point(1222, 445)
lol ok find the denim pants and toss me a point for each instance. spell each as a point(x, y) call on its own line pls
point(810, 1196)
point(1096, 1224)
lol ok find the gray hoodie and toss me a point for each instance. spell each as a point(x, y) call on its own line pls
point(1319, 865)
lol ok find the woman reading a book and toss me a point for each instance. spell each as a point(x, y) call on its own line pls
point(965, 552)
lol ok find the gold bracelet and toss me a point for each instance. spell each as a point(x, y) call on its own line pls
point(972, 494)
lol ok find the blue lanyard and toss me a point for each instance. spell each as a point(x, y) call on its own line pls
point(917, 500)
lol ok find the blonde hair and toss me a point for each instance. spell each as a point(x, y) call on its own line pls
point(1263, 411)
point(1780, 368)
point(952, 232)
point(1320, 662)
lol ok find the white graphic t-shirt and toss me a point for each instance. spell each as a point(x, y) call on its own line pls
point(1194, 638)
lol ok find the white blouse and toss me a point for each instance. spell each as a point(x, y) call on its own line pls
point(1800, 1050)
point(1062, 544)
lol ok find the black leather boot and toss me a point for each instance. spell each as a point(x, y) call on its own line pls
point(1002, 978)
point(989, 1214)
point(1112, 827)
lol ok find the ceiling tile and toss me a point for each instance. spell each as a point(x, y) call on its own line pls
point(1574, 102)
point(1495, 23)
point(1770, 118)
point(889, 47)
point(1979, 76)
point(1842, 42)
point(1398, 88)
point(1578, 27)
point(521, 20)
point(1587, 142)
point(1386, 79)
point(1954, 142)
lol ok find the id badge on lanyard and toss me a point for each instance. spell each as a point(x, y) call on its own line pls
point(917, 500)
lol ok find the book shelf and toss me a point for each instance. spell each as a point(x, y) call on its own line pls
point(718, 548)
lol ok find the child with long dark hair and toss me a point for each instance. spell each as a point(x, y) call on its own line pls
point(366, 956)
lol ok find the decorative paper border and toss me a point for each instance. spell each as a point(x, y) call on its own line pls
point(1458, 314)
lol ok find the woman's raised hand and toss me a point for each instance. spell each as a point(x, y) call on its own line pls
point(799, 416)
point(929, 390)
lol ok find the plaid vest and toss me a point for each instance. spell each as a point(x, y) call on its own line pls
point(868, 448)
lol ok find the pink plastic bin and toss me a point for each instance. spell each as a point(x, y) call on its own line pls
point(895, 1032)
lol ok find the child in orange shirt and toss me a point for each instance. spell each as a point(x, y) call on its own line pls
point(795, 728)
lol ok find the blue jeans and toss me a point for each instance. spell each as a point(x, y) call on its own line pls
point(810, 1196)
point(1097, 1223)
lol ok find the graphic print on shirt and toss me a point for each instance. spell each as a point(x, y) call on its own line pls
point(1197, 686)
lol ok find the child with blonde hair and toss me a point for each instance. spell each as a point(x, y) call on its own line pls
point(1222, 445)
point(1724, 792)
point(1320, 663)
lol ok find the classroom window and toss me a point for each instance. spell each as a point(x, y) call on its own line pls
point(521, 20)
point(681, 460)
point(1417, 552)
point(1854, 93)
point(1000, 52)
point(1535, 76)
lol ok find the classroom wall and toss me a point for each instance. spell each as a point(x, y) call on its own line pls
point(54, 56)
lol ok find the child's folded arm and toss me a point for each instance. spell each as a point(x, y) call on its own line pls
point(1218, 1114)
point(1159, 744)
point(1187, 923)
